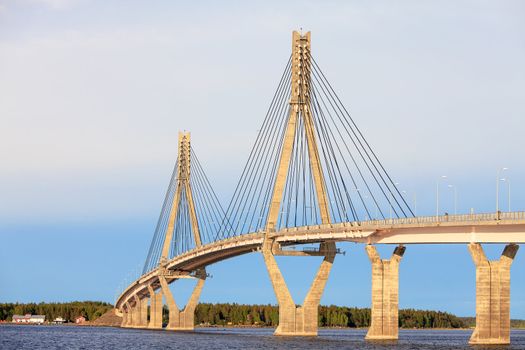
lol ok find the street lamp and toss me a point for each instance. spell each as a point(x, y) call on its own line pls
point(376, 206)
point(365, 198)
point(309, 207)
point(443, 177)
point(508, 190)
point(357, 194)
point(455, 198)
point(415, 201)
point(497, 186)
point(392, 200)
point(259, 222)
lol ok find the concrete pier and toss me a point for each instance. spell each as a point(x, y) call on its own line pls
point(155, 309)
point(128, 316)
point(183, 320)
point(385, 294)
point(143, 316)
point(492, 295)
point(139, 313)
point(298, 320)
point(125, 316)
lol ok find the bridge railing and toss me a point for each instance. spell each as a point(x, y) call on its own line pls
point(499, 216)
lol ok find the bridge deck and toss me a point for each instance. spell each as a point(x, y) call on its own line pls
point(448, 229)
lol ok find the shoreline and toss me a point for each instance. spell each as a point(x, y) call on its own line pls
point(232, 327)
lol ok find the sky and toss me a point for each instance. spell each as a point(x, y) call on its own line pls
point(93, 94)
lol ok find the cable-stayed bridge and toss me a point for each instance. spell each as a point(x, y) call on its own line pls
point(311, 179)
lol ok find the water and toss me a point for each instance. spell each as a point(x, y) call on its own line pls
point(70, 337)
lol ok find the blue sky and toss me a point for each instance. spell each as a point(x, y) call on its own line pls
point(93, 93)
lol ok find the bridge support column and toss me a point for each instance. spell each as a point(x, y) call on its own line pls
point(143, 313)
point(183, 320)
point(140, 312)
point(492, 295)
point(155, 309)
point(124, 317)
point(385, 294)
point(297, 320)
point(128, 316)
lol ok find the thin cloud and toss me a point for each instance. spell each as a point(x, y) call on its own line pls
point(53, 4)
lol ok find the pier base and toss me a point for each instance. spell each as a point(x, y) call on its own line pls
point(297, 320)
point(492, 295)
point(385, 295)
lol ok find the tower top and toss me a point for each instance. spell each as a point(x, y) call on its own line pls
point(300, 68)
point(298, 38)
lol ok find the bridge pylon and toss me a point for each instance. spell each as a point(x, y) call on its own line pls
point(183, 188)
point(182, 204)
point(181, 319)
point(294, 319)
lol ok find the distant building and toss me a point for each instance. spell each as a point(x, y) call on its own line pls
point(34, 319)
point(80, 319)
point(59, 320)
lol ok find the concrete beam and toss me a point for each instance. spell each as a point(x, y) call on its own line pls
point(385, 294)
point(492, 295)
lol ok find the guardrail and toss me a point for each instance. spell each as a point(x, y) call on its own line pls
point(499, 216)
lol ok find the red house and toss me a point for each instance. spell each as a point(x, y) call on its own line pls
point(80, 319)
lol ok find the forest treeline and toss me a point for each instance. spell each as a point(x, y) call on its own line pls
point(248, 315)
point(471, 322)
point(329, 316)
point(91, 310)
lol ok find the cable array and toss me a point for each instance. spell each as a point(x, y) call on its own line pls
point(209, 213)
point(355, 183)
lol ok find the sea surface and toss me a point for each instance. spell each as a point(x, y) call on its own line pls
point(71, 337)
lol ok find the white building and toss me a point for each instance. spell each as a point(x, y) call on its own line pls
point(34, 319)
point(59, 320)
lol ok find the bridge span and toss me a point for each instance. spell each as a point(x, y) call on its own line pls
point(310, 179)
point(454, 229)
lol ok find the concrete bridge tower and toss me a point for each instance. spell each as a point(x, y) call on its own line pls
point(294, 319)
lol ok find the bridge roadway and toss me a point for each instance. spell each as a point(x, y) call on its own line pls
point(508, 227)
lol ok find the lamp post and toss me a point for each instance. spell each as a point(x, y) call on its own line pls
point(415, 201)
point(392, 200)
point(508, 190)
point(443, 177)
point(367, 216)
point(357, 194)
point(309, 207)
point(455, 198)
point(497, 186)
point(415, 204)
